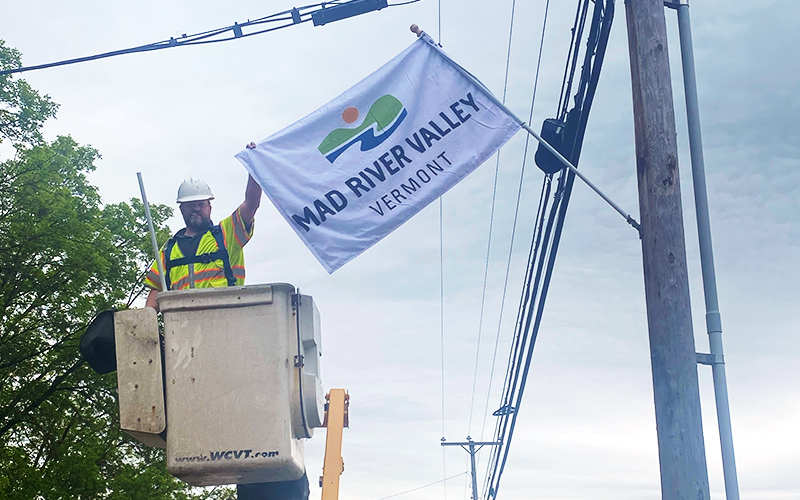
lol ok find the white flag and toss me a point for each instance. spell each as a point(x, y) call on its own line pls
point(356, 169)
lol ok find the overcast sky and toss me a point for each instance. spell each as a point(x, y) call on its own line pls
point(586, 427)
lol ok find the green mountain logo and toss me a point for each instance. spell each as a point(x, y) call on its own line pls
point(383, 117)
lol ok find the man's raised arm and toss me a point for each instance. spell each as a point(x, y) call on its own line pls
point(252, 199)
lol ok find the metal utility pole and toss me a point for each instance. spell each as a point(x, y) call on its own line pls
point(681, 450)
point(713, 319)
point(152, 233)
point(472, 448)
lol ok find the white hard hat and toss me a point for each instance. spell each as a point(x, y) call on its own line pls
point(194, 190)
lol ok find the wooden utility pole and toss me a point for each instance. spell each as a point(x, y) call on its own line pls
point(681, 450)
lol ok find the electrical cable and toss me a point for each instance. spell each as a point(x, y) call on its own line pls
point(516, 214)
point(513, 351)
point(441, 326)
point(564, 103)
point(441, 294)
point(491, 226)
point(427, 485)
point(542, 257)
point(439, 18)
point(567, 72)
point(293, 16)
point(542, 199)
point(527, 338)
point(297, 300)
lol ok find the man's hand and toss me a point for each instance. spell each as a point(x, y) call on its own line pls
point(151, 299)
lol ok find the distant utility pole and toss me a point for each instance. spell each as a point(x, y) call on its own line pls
point(472, 448)
point(681, 450)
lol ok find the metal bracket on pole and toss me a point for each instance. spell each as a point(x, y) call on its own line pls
point(710, 359)
point(674, 4)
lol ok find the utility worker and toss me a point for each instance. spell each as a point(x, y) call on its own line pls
point(203, 254)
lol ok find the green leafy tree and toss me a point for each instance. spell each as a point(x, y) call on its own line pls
point(64, 256)
point(22, 109)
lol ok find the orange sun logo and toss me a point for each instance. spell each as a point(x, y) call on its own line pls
point(350, 115)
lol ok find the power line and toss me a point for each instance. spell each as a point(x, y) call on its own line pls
point(320, 14)
point(534, 270)
point(441, 325)
point(426, 486)
point(441, 292)
point(514, 224)
point(491, 225)
point(440, 22)
point(542, 199)
point(542, 259)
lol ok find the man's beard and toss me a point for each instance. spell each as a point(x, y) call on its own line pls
point(195, 222)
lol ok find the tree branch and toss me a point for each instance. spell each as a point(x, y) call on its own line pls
point(41, 399)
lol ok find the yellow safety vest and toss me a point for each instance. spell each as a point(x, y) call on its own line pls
point(207, 268)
